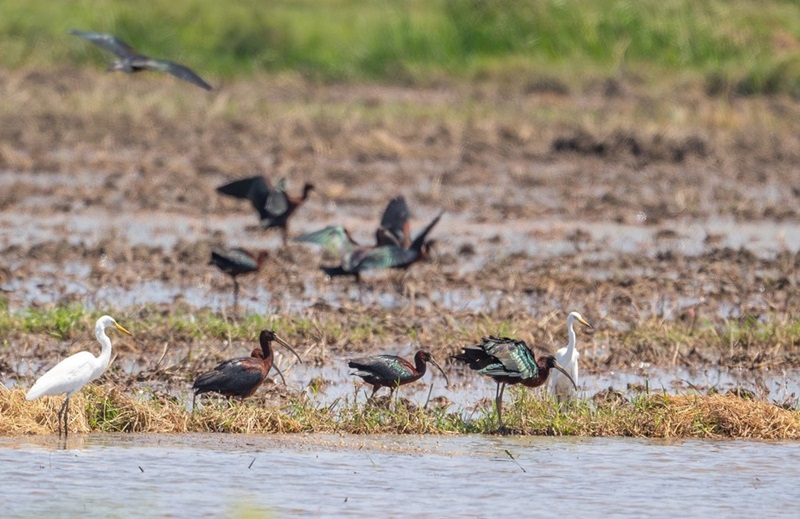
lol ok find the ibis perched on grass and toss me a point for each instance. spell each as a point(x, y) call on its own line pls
point(392, 371)
point(508, 361)
point(242, 376)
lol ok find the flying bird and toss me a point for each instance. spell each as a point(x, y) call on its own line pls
point(130, 61)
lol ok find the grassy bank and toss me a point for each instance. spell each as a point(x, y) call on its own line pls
point(750, 51)
point(751, 344)
point(99, 408)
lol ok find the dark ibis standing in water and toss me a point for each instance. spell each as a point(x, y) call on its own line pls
point(392, 371)
point(509, 361)
point(274, 206)
point(235, 262)
point(130, 61)
point(241, 377)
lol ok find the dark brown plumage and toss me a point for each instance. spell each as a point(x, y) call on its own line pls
point(242, 376)
point(274, 206)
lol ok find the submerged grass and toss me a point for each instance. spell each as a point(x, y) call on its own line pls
point(99, 408)
point(750, 51)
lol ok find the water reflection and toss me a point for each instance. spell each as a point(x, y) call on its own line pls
point(409, 476)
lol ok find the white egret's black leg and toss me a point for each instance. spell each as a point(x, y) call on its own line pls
point(65, 412)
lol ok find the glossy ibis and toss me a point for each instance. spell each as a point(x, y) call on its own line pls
point(392, 371)
point(356, 259)
point(274, 206)
point(394, 228)
point(404, 257)
point(235, 262)
point(131, 61)
point(508, 361)
point(242, 376)
point(71, 374)
point(567, 357)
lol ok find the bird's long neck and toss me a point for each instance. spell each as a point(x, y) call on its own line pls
point(420, 365)
point(267, 355)
point(105, 354)
point(571, 333)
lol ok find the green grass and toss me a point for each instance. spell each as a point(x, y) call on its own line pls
point(741, 46)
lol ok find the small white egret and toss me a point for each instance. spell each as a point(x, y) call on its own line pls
point(558, 385)
point(74, 372)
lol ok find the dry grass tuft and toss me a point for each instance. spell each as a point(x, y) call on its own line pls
point(99, 408)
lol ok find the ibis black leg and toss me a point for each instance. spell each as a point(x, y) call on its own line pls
point(498, 402)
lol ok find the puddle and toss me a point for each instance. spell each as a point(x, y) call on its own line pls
point(401, 476)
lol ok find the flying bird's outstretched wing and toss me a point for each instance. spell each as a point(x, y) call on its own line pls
point(176, 69)
point(108, 42)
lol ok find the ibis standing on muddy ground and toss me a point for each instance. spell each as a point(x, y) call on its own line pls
point(508, 361)
point(235, 262)
point(242, 376)
point(392, 371)
point(74, 372)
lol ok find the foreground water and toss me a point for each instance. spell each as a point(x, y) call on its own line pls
point(393, 476)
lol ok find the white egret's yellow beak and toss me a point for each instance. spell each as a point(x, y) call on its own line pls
point(584, 322)
point(123, 330)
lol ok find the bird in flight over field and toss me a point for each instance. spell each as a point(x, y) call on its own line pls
point(130, 61)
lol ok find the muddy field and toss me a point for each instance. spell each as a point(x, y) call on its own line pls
point(670, 220)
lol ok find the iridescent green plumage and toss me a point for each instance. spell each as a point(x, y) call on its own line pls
point(390, 370)
point(508, 361)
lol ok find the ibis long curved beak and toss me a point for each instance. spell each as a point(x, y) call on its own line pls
point(440, 369)
point(585, 322)
point(286, 345)
point(562, 370)
point(279, 372)
point(123, 330)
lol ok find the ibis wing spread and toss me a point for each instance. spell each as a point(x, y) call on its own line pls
point(256, 189)
point(333, 238)
point(394, 228)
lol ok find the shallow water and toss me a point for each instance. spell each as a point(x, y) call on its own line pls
point(392, 476)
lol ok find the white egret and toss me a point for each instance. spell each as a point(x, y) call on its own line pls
point(558, 385)
point(74, 372)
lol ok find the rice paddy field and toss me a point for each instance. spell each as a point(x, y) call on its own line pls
point(633, 161)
